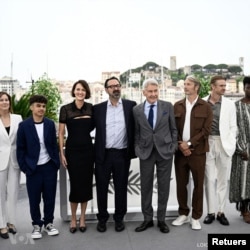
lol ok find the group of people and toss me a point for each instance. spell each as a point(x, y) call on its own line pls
point(207, 138)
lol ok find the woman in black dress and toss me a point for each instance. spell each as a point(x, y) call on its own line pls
point(78, 158)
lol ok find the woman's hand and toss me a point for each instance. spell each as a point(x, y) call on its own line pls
point(63, 161)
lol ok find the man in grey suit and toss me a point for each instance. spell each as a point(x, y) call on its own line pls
point(155, 144)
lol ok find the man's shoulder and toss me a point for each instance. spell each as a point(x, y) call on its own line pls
point(164, 103)
point(128, 102)
point(48, 120)
point(227, 100)
point(138, 107)
point(202, 101)
point(180, 102)
point(101, 104)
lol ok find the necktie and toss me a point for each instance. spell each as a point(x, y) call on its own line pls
point(151, 116)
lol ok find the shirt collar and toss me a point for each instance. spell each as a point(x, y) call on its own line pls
point(147, 104)
point(119, 102)
point(193, 103)
point(210, 97)
point(74, 107)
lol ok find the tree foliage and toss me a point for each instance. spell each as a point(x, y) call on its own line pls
point(205, 87)
point(41, 87)
point(235, 69)
point(21, 106)
point(196, 67)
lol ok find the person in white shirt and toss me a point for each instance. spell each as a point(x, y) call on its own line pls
point(222, 143)
point(38, 158)
point(9, 169)
point(193, 121)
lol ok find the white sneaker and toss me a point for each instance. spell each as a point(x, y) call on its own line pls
point(36, 233)
point(181, 220)
point(51, 230)
point(195, 224)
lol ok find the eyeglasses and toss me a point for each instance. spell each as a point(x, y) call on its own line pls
point(114, 86)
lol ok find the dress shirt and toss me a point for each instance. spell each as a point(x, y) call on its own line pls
point(186, 129)
point(116, 135)
point(216, 120)
point(147, 108)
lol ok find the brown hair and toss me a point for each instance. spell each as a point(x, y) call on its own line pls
point(84, 85)
point(216, 78)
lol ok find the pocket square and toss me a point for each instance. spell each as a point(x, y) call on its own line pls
point(164, 112)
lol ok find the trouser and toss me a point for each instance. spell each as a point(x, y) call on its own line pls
point(9, 186)
point(163, 173)
point(42, 184)
point(183, 166)
point(218, 165)
point(116, 165)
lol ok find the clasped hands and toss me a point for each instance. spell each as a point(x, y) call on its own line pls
point(184, 148)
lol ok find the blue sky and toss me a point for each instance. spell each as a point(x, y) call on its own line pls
point(78, 39)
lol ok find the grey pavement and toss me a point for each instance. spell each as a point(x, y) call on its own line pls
point(179, 238)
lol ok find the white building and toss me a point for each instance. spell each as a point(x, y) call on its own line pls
point(9, 85)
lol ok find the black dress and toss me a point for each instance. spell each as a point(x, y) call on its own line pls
point(79, 150)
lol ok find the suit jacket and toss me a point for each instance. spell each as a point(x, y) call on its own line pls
point(227, 125)
point(99, 118)
point(163, 136)
point(201, 122)
point(8, 143)
point(28, 145)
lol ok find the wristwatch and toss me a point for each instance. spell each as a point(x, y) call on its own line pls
point(189, 143)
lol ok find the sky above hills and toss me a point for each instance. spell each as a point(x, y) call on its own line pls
point(79, 39)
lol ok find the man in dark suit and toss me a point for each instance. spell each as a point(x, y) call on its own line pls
point(155, 144)
point(38, 158)
point(114, 148)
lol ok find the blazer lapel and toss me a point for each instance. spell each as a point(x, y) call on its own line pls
point(45, 129)
point(12, 125)
point(3, 130)
point(159, 113)
point(33, 129)
point(142, 115)
point(125, 111)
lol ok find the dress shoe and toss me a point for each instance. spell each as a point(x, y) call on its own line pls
point(119, 226)
point(101, 227)
point(4, 233)
point(145, 224)
point(209, 219)
point(72, 229)
point(83, 229)
point(11, 228)
point(246, 216)
point(181, 220)
point(163, 227)
point(195, 224)
point(222, 219)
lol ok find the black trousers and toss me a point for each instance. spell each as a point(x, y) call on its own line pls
point(42, 184)
point(116, 165)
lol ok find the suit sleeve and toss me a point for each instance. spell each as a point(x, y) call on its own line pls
point(137, 128)
point(21, 148)
point(54, 144)
point(172, 126)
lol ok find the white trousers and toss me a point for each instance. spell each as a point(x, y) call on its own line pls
point(9, 187)
point(217, 173)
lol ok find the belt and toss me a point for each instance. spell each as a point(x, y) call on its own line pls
point(115, 149)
